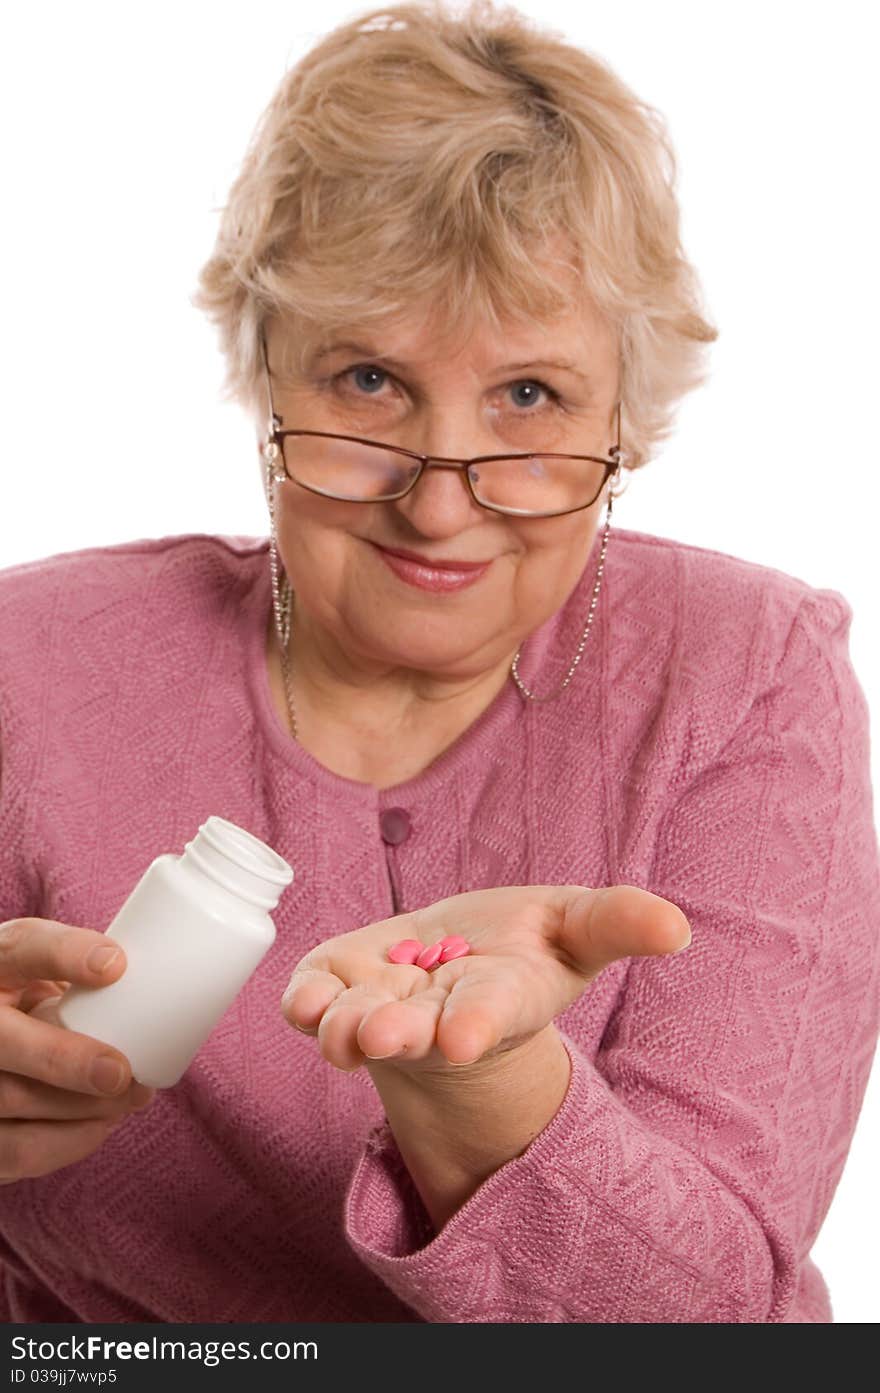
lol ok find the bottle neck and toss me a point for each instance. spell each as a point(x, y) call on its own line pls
point(239, 862)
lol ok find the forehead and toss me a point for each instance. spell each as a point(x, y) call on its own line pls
point(483, 328)
point(420, 338)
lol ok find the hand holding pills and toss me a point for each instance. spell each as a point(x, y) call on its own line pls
point(471, 976)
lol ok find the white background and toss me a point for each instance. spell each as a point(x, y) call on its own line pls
point(123, 127)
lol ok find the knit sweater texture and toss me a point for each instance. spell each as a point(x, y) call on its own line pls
point(712, 747)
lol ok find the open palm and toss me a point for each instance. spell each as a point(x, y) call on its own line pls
point(534, 949)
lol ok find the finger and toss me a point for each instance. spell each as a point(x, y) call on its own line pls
point(480, 1012)
point(21, 1097)
point(391, 1027)
point(340, 1023)
point(330, 969)
point(31, 1149)
point(599, 927)
point(45, 948)
point(307, 996)
point(39, 991)
point(66, 1059)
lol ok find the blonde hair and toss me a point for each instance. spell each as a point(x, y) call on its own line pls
point(419, 155)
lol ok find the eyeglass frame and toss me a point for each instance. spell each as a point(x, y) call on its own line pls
point(276, 436)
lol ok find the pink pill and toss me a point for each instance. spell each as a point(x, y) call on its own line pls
point(406, 951)
point(451, 939)
point(455, 950)
point(430, 956)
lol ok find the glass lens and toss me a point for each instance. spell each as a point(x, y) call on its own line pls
point(537, 484)
point(346, 469)
point(349, 470)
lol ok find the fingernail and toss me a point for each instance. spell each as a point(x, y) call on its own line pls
point(107, 1073)
point(100, 958)
point(684, 945)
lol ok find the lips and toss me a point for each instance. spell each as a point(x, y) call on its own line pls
point(437, 577)
point(444, 565)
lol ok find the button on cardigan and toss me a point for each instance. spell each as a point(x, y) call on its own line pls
point(712, 747)
point(395, 825)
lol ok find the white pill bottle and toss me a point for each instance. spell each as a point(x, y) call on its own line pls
point(194, 929)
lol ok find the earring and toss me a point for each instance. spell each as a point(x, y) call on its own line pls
point(281, 594)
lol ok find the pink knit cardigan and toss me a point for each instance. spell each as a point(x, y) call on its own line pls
point(713, 748)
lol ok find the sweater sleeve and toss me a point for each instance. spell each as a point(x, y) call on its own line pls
point(16, 889)
point(692, 1162)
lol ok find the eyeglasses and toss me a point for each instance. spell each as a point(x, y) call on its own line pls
point(351, 469)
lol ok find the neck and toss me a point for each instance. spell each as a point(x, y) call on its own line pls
point(376, 699)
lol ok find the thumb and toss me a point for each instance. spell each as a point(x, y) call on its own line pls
point(621, 921)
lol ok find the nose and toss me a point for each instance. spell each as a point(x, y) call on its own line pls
point(440, 504)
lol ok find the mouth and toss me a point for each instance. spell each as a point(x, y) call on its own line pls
point(432, 564)
point(426, 574)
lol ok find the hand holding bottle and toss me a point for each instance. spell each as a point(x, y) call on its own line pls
point(54, 1109)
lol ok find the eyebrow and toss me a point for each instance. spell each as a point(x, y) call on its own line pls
point(348, 345)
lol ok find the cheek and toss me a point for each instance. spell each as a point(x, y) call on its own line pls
point(555, 550)
point(314, 524)
point(314, 547)
point(544, 580)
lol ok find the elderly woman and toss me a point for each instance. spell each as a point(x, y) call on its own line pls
point(451, 292)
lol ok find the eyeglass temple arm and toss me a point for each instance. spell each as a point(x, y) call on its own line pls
point(274, 420)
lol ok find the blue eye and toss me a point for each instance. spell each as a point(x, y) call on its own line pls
point(532, 383)
point(370, 379)
point(368, 370)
